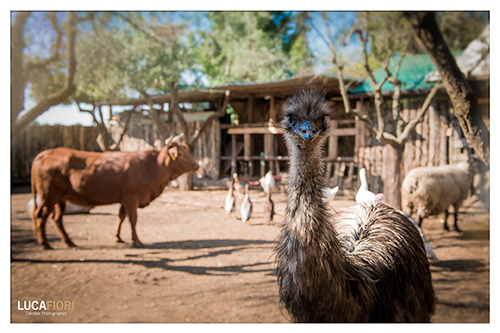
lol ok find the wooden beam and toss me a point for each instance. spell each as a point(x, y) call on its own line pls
point(272, 111)
point(343, 131)
point(247, 151)
point(233, 154)
point(269, 149)
point(255, 130)
point(250, 110)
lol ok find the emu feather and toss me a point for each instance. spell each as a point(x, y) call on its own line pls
point(366, 263)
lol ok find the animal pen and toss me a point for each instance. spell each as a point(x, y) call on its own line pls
point(255, 144)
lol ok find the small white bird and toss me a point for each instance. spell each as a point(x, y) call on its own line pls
point(230, 199)
point(267, 182)
point(330, 193)
point(363, 194)
point(238, 187)
point(246, 205)
point(269, 207)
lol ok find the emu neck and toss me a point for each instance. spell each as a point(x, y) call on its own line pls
point(306, 208)
point(310, 258)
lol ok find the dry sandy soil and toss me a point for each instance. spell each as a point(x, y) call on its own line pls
point(201, 266)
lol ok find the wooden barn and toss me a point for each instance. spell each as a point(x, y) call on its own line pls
point(438, 139)
point(245, 138)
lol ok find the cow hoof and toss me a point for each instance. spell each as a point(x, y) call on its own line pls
point(445, 227)
point(456, 229)
point(70, 244)
point(119, 240)
point(137, 245)
point(47, 247)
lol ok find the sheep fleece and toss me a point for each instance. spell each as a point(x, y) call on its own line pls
point(431, 190)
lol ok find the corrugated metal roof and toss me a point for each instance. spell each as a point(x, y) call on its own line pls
point(412, 74)
point(475, 59)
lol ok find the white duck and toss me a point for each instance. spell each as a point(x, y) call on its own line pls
point(267, 182)
point(330, 193)
point(230, 199)
point(363, 194)
point(246, 205)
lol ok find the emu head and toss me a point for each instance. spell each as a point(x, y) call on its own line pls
point(305, 117)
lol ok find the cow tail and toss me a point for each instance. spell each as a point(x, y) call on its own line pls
point(33, 186)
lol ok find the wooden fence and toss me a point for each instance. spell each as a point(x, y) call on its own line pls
point(437, 140)
point(140, 136)
point(34, 138)
point(143, 133)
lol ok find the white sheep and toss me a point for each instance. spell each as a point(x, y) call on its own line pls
point(431, 190)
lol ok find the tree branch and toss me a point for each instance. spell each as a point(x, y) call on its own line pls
point(55, 48)
point(174, 107)
point(420, 115)
point(67, 90)
point(115, 145)
point(220, 113)
point(18, 77)
point(462, 96)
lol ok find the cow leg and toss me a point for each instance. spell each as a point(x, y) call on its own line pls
point(131, 210)
point(39, 217)
point(57, 222)
point(121, 216)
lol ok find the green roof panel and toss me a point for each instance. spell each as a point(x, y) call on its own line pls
point(412, 74)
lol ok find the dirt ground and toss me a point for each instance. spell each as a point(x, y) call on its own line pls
point(201, 266)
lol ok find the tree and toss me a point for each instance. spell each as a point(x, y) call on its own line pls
point(386, 37)
point(23, 68)
point(464, 101)
point(253, 47)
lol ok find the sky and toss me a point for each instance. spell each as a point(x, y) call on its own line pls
point(70, 114)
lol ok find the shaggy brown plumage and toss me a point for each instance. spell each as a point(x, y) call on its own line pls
point(364, 264)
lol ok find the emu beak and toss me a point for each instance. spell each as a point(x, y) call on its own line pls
point(305, 130)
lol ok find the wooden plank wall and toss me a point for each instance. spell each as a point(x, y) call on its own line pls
point(437, 140)
point(35, 138)
point(143, 134)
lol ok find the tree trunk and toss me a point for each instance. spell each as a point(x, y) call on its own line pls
point(18, 77)
point(391, 174)
point(68, 88)
point(463, 98)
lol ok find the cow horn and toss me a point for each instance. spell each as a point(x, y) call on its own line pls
point(178, 137)
point(173, 139)
point(167, 142)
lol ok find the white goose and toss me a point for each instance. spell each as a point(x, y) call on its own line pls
point(363, 194)
point(246, 205)
point(330, 193)
point(267, 182)
point(230, 199)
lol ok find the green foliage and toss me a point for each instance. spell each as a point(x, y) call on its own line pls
point(126, 55)
point(232, 114)
point(460, 28)
point(252, 47)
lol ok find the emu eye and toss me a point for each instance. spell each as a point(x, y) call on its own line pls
point(292, 120)
point(314, 131)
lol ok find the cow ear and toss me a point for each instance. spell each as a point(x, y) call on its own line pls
point(173, 153)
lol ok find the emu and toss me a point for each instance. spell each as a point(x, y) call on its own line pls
point(366, 263)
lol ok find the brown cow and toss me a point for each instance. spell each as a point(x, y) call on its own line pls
point(133, 179)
